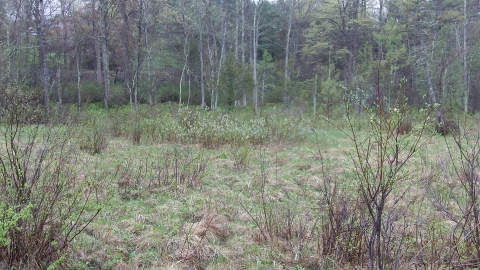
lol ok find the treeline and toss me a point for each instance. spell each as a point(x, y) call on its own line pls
point(243, 53)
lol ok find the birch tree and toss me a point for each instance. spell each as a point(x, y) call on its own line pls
point(466, 89)
point(187, 29)
point(39, 13)
point(255, 45)
point(103, 28)
point(287, 53)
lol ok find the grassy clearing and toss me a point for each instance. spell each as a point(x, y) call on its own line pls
point(258, 201)
point(194, 189)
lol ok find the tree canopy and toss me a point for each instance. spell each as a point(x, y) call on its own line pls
point(149, 51)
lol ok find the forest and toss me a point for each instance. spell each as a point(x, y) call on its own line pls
point(242, 53)
point(239, 134)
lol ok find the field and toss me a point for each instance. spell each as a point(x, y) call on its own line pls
point(195, 189)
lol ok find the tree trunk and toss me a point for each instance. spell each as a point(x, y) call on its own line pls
point(244, 96)
point(105, 56)
point(97, 46)
point(223, 49)
point(186, 51)
point(42, 51)
point(136, 77)
point(212, 54)
point(79, 76)
point(465, 63)
point(315, 97)
point(202, 71)
point(255, 44)
point(287, 55)
point(125, 33)
point(237, 27)
point(431, 90)
point(150, 67)
point(59, 92)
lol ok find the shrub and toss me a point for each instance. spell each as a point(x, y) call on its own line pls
point(448, 127)
point(464, 155)
point(92, 135)
point(43, 199)
point(241, 157)
point(173, 167)
point(405, 127)
point(379, 160)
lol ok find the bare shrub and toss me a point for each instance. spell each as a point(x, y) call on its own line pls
point(174, 168)
point(43, 198)
point(286, 224)
point(379, 160)
point(118, 121)
point(93, 136)
point(447, 127)
point(405, 126)
point(342, 226)
point(465, 161)
point(137, 133)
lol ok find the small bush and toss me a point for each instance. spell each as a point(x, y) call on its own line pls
point(118, 122)
point(405, 127)
point(241, 157)
point(92, 136)
point(284, 223)
point(448, 127)
point(175, 168)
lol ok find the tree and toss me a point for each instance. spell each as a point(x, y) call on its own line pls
point(103, 9)
point(235, 79)
point(287, 52)
point(336, 35)
point(187, 29)
point(39, 13)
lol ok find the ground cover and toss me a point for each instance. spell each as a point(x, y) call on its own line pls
point(194, 189)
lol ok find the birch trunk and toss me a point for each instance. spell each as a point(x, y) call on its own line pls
point(105, 56)
point(465, 64)
point(59, 92)
point(124, 34)
point(244, 98)
point(42, 52)
point(431, 90)
point(255, 43)
point(222, 50)
point(150, 66)
point(287, 55)
point(79, 76)
point(136, 77)
point(315, 97)
point(202, 71)
point(185, 53)
point(96, 44)
point(237, 27)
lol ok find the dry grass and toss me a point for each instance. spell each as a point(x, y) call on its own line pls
point(218, 221)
